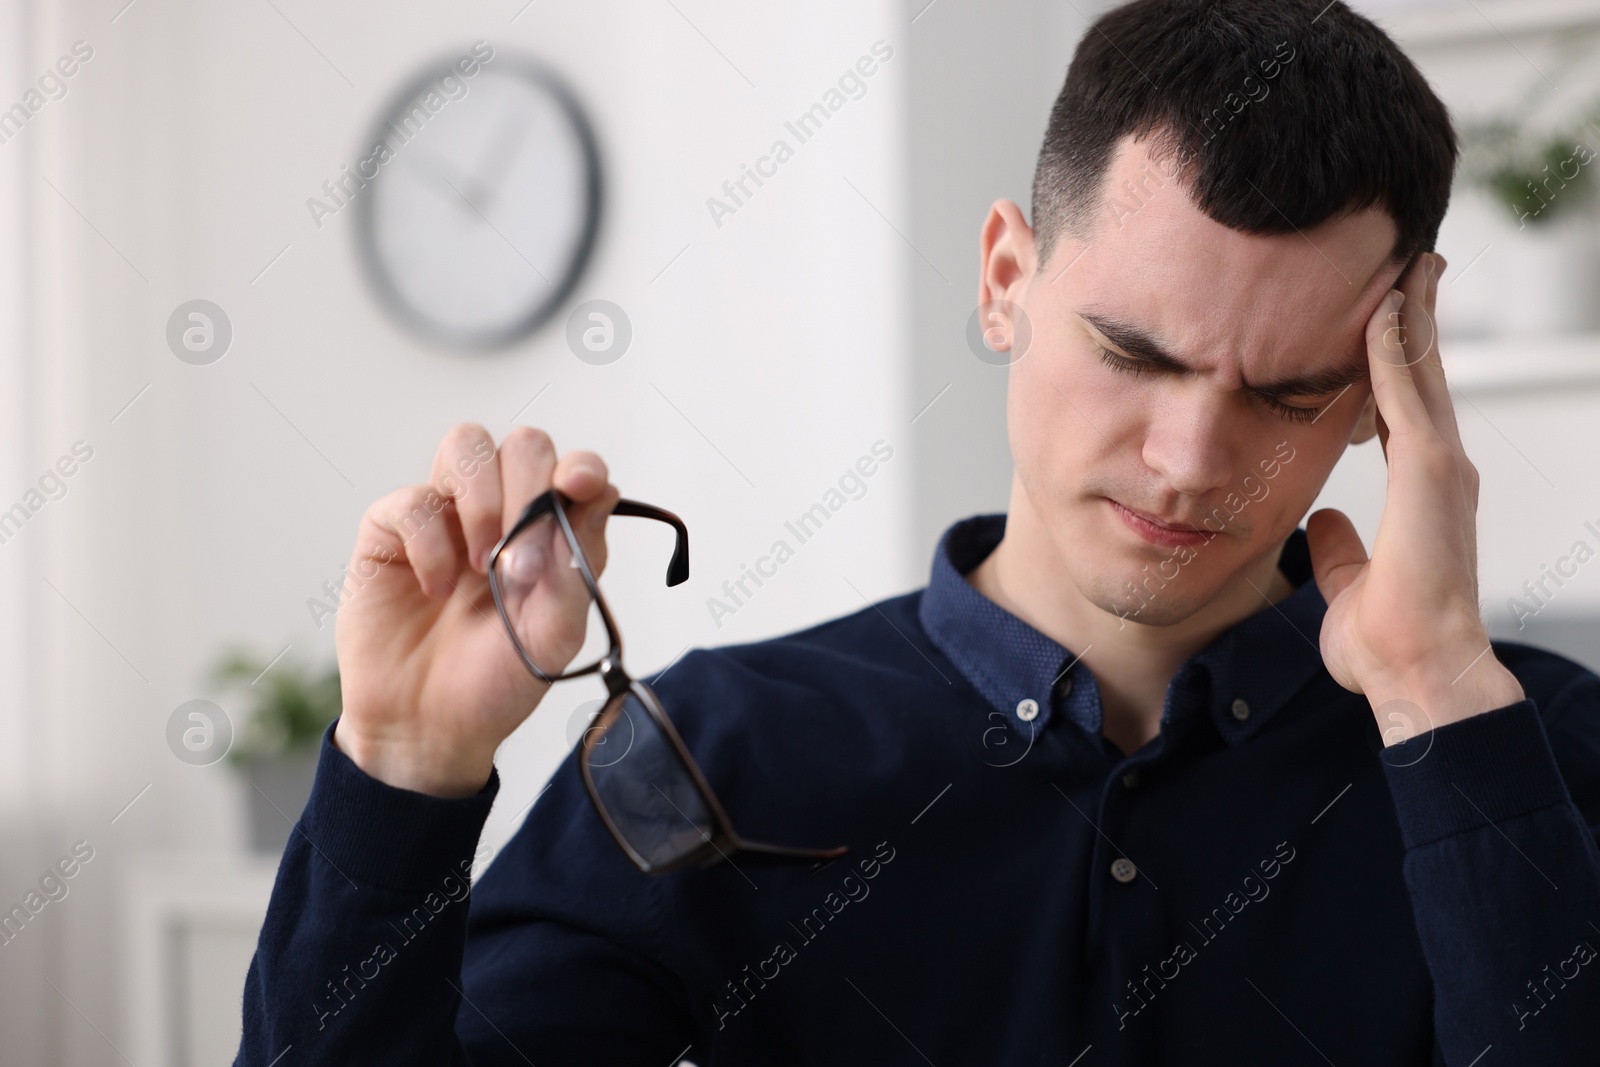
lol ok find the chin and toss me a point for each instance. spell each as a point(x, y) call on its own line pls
point(1148, 584)
point(1160, 606)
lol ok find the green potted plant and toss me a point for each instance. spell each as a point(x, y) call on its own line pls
point(275, 746)
point(1537, 178)
point(1540, 179)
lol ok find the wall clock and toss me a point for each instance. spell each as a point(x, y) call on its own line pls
point(481, 200)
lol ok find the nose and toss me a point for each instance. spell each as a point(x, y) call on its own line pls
point(1188, 438)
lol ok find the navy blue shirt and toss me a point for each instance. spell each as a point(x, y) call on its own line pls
point(1264, 882)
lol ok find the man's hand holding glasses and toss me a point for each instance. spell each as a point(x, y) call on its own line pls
point(472, 594)
point(431, 685)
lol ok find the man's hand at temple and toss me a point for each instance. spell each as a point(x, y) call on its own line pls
point(1404, 627)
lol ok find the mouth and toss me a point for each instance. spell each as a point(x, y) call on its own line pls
point(1156, 531)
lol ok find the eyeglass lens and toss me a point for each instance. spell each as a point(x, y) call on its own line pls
point(644, 787)
point(544, 595)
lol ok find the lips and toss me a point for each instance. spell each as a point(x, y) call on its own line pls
point(1171, 524)
point(1155, 532)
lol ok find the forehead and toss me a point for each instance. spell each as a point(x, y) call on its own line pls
point(1260, 306)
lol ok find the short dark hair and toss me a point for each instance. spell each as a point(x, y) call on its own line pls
point(1346, 123)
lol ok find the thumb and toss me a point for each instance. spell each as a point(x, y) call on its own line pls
point(1337, 553)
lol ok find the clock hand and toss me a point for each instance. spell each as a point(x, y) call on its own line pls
point(498, 231)
point(502, 152)
point(474, 195)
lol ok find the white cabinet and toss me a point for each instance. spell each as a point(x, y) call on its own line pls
point(190, 925)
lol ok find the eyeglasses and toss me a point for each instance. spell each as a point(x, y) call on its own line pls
point(649, 791)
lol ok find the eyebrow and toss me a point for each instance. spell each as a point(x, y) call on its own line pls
point(1140, 342)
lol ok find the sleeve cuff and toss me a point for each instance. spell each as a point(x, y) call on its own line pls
point(383, 836)
point(1472, 773)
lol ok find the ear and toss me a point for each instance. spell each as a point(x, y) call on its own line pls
point(1005, 252)
point(1366, 426)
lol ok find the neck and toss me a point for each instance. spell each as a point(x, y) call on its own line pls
point(1133, 662)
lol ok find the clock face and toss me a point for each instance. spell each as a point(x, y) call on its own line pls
point(483, 210)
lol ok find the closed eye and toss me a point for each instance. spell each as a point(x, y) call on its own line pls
point(1139, 366)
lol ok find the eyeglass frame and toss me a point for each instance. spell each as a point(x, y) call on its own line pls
point(726, 842)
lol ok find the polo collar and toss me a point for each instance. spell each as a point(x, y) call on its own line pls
point(1241, 678)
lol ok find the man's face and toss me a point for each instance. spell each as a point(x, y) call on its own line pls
point(1192, 445)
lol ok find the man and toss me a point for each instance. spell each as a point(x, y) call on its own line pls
point(1146, 774)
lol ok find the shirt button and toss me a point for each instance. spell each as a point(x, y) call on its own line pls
point(1123, 870)
point(1131, 778)
point(1241, 710)
point(1028, 709)
point(1064, 687)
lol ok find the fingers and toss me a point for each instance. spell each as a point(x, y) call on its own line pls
point(1336, 551)
point(1400, 336)
point(589, 523)
point(1428, 366)
point(466, 471)
point(1403, 349)
point(527, 461)
point(1416, 322)
point(484, 491)
point(1400, 407)
point(528, 466)
point(413, 524)
point(581, 475)
point(584, 478)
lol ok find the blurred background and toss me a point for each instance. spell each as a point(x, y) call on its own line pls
point(227, 325)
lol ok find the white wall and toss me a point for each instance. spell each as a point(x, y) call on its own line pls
point(983, 79)
point(22, 842)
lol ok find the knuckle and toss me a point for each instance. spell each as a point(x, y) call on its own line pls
point(1438, 462)
point(414, 510)
point(400, 502)
point(380, 508)
point(1433, 452)
point(426, 496)
point(1439, 459)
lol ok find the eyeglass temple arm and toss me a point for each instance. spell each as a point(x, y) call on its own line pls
point(678, 567)
point(787, 851)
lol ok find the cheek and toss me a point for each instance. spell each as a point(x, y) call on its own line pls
point(1060, 392)
point(1292, 484)
point(1048, 396)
